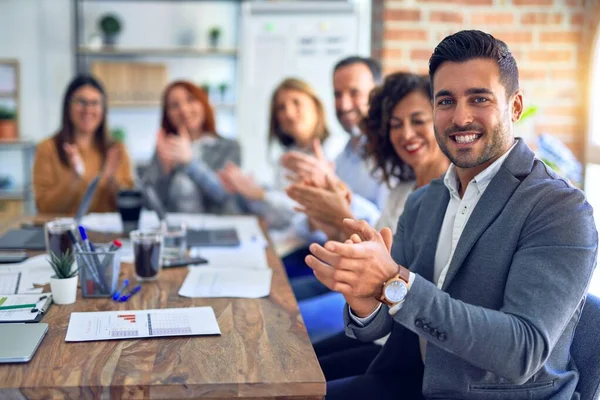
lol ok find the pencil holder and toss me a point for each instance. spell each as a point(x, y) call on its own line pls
point(99, 272)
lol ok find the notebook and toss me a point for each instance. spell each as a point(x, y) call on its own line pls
point(34, 238)
point(38, 305)
point(20, 341)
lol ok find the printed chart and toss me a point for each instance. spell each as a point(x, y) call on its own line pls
point(134, 324)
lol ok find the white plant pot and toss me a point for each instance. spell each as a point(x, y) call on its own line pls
point(64, 291)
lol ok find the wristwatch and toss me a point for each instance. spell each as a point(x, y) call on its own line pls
point(395, 289)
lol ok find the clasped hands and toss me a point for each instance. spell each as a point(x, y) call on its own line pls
point(174, 150)
point(322, 196)
point(358, 267)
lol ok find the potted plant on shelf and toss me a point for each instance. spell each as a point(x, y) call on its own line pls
point(223, 91)
point(118, 135)
point(8, 124)
point(110, 26)
point(206, 87)
point(64, 283)
point(214, 35)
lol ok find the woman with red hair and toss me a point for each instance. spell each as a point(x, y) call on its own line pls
point(188, 152)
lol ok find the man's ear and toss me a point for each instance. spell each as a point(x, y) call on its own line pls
point(516, 106)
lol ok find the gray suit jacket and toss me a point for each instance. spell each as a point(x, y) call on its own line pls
point(503, 324)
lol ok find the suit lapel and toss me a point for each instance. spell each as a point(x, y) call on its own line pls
point(491, 204)
point(430, 223)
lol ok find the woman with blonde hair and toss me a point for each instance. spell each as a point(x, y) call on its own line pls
point(297, 122)
point(188, 153)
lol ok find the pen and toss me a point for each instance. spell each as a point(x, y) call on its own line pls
point(90, 248)
point(115, 245)
point(16, 306)
point(128, 295)
point(84, 238)
point(44, 307)
point(92, 270)
point(117, 294)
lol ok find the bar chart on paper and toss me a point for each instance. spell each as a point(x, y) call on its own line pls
point(110, 325)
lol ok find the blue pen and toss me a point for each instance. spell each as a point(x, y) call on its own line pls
point(117, 294)
point(86, 243)
point(128, 295)
point(98, 274)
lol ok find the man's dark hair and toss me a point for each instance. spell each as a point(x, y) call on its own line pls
point(468, 45)
point(373, 65)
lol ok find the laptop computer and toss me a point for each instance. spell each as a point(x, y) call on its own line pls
point(20, 341)
point(34, 238)
point(216, 237)
point(226, 237)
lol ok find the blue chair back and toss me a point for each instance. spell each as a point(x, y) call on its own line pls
point(585, 349)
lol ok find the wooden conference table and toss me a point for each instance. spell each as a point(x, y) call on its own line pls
point(263, 350)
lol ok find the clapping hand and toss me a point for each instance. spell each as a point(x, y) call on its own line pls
point(309, 167)
point(74, 158)
point(356, 268)
point(234, 180)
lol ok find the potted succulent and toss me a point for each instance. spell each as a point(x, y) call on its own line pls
point(110, 26)
point(214, 35)
point(64, 283)
point(8, 123)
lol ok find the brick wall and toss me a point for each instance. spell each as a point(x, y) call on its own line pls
point(549, 39)
point(591, 30)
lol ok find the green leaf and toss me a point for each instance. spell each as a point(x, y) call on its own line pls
point(529, 112)
point(7, 114)
point(63, 264)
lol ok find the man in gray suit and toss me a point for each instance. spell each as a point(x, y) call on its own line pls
point(490, 264)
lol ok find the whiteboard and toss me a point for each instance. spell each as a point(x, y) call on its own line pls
point(292, 39)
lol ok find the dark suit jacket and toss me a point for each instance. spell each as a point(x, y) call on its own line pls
point(502, 326)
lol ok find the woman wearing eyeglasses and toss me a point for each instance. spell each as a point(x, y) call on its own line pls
point(81, 150)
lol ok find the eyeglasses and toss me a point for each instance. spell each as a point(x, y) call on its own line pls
point(79, 102)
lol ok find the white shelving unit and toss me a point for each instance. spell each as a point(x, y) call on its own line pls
point(169, 32)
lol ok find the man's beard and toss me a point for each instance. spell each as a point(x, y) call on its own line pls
point(495, 146)
point(354, 129)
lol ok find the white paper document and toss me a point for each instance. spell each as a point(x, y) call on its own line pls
point(246, 256)
point(227, 282)
point(9, 282)
point(35, 271)
point(134, 324)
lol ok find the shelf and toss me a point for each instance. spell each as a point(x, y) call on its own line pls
point(4, 144)
point(168, 52)
point(154, 104)
point(13, 194)
point(9, 95)
point(159, 1)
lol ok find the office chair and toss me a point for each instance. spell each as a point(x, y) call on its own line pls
point(585, 349)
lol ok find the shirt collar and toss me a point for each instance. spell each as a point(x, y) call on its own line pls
point(481, 180)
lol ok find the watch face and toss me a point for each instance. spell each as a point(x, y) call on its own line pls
point(396, 291)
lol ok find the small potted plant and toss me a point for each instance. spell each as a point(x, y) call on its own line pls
point(223, 87)
point(8, 123)
point(214, 35)
point(110, 26)
point(64, 283)
point(206, 87)
point(118, 135)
